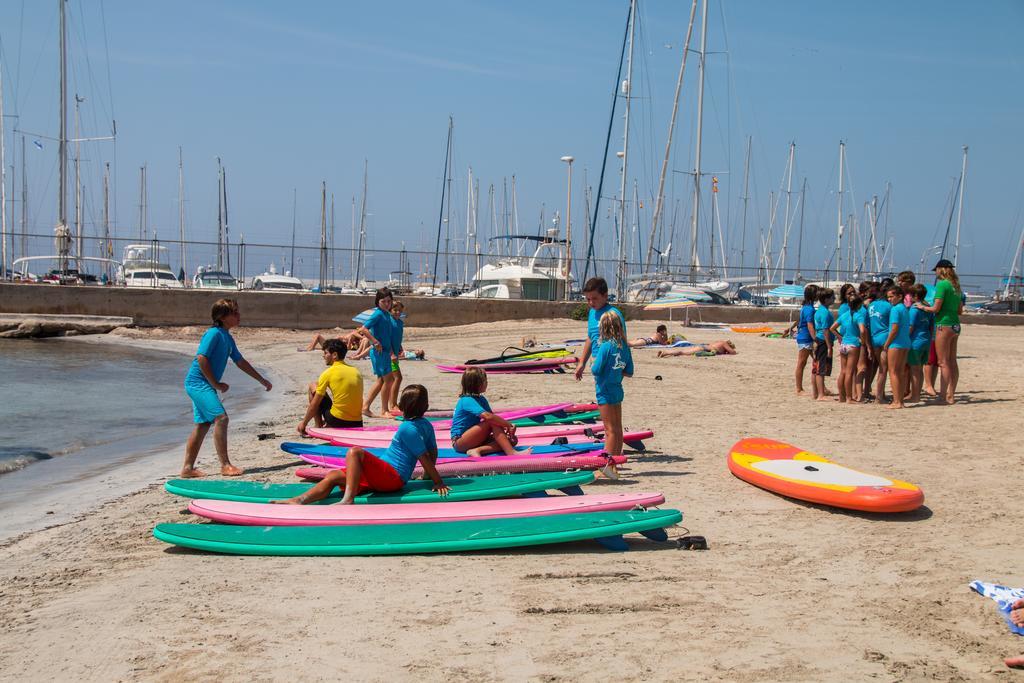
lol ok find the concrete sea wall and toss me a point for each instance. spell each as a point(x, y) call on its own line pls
point(308, 311)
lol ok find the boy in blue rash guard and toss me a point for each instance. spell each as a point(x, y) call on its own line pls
point(364, 471)
point(595, 291)
point(897, 343)
point(612, 361)
point(822, 367)
point(378, 330)
point(203, 382)
point(921, 333)
point(850, 328)
point(476, 430)
point(805, 335)
point(878, 321)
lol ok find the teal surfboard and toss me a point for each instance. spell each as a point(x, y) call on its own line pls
point(557, 419)
point(433, 537)
point(415, 491)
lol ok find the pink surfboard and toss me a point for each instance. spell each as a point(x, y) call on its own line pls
point(445, 442)
point(516, 414)
point(266, 514)
point(573, 408)
point(384, 435)
point(510, 464)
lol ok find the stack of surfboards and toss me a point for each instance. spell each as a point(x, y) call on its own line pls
point(508, 506)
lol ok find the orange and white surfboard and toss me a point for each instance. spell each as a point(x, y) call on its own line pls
point(784, 469)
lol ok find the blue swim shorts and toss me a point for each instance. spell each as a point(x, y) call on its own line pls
point(206, 405)
point(380, 361)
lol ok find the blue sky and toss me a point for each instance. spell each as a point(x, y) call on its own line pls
point(290, 94)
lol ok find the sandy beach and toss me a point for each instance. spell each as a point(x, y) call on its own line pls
point(787, 591)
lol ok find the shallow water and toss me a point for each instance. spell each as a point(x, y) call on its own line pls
point(80, 422)
point(59, 398)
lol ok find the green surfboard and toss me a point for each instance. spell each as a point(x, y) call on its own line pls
point(415, 491)
point(431, 537)
point(557, 419)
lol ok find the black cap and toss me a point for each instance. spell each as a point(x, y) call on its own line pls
point(943, 263)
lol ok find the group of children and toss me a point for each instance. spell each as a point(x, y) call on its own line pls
point(475, 430)
point(884, 331)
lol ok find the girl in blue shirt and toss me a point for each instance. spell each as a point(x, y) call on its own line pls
point(414, 441)
point(922, 324)
point(805, 335)
point(897, 343)
point(612, 361)
point(378, 331)
point(849, 325)
point(203, 382)
point(397, 354)
point(878, 322)
point(476, 430)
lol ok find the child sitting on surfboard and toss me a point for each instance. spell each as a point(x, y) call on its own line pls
point(476, 430)
point(414, 441)
point(612, 361)
point(203, 382)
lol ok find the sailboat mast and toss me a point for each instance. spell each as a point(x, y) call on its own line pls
point(295, 211)
point(697, 152)
point(332, 239)
point(746, 200)
point(323, 234)
point(470, 227)
point(626, 91)
point(79, 238)
point(800, 235)
point(839, 210)
point(960, 209)
point(785, 219)
point(61, 232)
point(660, 201)
point(362, 223)
point(227, 224)
point(108, 247)
point(142, 202)
point(220, 216)
point(181, 213)
point(24, 201)
point(3, 186)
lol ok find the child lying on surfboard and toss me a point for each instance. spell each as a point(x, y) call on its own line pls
point(476, 430)
point(414, 441)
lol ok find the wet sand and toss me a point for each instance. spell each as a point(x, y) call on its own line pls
point(787, 591)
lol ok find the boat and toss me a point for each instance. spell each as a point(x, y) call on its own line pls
point(211, 277)
point(270, 281)
point(541, 277)
point(147, 265)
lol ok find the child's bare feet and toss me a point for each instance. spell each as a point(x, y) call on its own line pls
point(474, 453)
point(894, 406)
point(192, 473)
point(1017, 614)
point(231, 471)
point(799, 392)
point(826, 397)
point(290, 501)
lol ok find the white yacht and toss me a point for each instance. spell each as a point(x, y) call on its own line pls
point(270, 281)
point(210, 277)
point(540, 277)
point(147, 265)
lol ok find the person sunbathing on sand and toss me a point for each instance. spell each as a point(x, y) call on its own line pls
point(660, 338)
point(1017, 617)
point(352, 341)
point(722, 347)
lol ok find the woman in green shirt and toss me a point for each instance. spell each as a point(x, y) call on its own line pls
point(947, 306)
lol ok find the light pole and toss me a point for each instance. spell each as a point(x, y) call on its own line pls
point(568, 231)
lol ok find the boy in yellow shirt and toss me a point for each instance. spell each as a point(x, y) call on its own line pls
point(344, 406)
